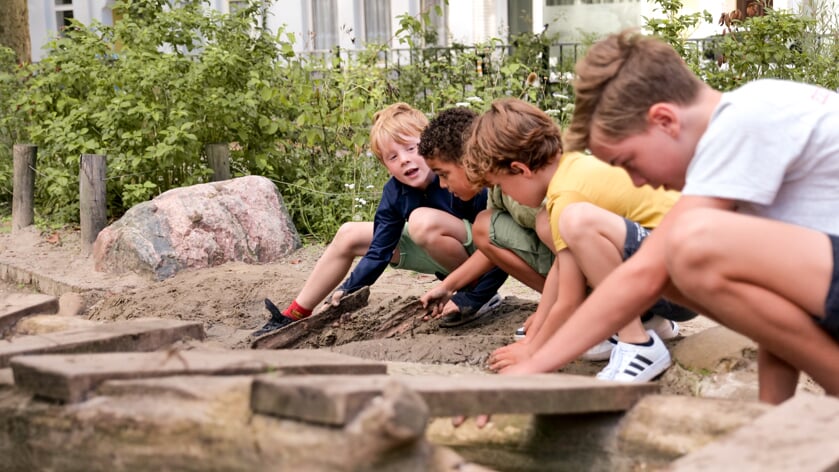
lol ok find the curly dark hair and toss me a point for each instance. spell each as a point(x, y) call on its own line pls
point(445, 135)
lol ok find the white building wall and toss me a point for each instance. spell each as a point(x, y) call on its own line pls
point(469, 21)
point(39, 27)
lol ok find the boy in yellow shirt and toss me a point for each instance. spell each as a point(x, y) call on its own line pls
point(598, 219)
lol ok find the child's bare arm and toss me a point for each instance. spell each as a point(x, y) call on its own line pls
point(629, 290)
point(569, 288)
point(476, 265)
point(545, 302)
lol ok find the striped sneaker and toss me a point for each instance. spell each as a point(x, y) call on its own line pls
point(601, 351)
point(641, 363)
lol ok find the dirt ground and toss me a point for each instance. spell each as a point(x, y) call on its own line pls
point(228, 299)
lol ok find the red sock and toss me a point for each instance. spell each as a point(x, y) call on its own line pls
point(296, 312)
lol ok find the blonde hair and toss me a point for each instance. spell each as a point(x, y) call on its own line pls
point(510, 131)
point(617, 82)
point(395, 122)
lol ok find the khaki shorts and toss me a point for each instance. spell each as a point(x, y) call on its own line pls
point(524, 242)
point(413, 257)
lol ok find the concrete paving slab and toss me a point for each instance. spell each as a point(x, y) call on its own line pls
point(132, 335)
point(72, 378)
point(336, 400)
point(14, 306)
point(801, 434)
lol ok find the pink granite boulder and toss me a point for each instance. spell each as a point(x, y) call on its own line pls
point(200, 226)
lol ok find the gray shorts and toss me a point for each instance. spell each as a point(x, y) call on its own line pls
point(413, 257)
point(635, 235)
point(830, 322)
point(505, 233)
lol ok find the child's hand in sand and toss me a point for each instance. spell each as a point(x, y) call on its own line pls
point(435, 300)
point(510, 355)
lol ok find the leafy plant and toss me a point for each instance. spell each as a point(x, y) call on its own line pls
point(167, 79)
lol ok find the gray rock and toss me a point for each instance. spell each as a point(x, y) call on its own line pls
point(716, 349)
point(200, 226)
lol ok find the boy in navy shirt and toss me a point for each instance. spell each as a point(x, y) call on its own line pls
point(418, 226)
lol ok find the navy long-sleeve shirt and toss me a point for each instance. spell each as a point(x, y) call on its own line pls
point(397, 203)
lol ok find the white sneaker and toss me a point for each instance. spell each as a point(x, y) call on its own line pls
point(664, 328)
point(641, 363)
point(608, 372)
point(601, 351)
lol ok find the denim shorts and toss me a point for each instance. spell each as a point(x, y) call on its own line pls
point(830, 322)
point(635, 235)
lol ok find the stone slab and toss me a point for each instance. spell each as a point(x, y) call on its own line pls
point(72, 378)
point(15, 306)
point(132, 335)
point(801, 434)
point(336, 400)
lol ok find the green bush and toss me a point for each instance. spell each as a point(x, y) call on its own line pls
point(151, 91)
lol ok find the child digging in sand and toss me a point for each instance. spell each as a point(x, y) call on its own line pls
point(597, 219)
point(753, 241)
point(418, 226)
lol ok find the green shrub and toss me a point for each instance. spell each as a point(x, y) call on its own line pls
point(151, 91)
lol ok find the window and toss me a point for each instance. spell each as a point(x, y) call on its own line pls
point(324, 24)
point(63, 13)
point(235, 5)
point(377, 21)
point(439, 21)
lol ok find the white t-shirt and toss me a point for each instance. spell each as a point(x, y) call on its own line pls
point(773, 147)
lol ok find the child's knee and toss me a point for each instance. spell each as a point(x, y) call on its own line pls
point(425, 224)
point(480, 229)
point(691, 248)
point(352, 236)
point(578, 220)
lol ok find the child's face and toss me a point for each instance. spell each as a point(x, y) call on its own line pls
point(524, 187)
point(405, 164)
point(453, 177)
point(653, 157)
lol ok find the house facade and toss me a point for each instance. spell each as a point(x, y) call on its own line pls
point(319, 25)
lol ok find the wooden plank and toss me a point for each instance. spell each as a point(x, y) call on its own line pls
point(801, 434)
point(336, 400)
point(15, 306)
point(291, 334)
point(133, 335)
point(72, 378)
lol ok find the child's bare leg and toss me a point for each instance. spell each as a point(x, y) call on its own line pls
point(440, 234)
point(764, 279)
point(507, 260)
point(776, 378)
point(596, 238)
point(351, 240)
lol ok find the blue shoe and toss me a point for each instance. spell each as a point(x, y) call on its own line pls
point(277, 321)
point(468, 315)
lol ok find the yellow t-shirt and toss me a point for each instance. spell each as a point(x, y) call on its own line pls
point(583, 178)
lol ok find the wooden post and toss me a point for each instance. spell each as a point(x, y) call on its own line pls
point(23, 186)
point(92, 207)
point(218, 156)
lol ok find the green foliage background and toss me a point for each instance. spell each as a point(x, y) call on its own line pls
point(153, 90)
